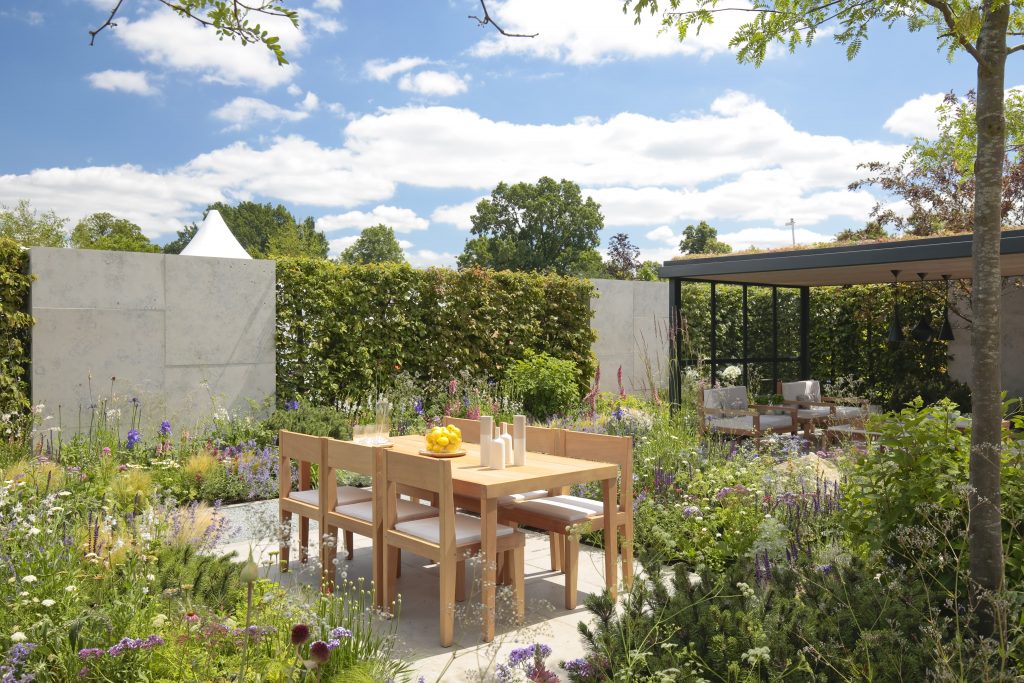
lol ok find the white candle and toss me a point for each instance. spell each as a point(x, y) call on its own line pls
point(519, 440)
point(506, 440)
point(497, 454)
point(486, 436)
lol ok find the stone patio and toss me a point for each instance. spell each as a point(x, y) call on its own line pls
point(252, 525)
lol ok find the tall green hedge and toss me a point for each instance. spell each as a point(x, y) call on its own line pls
point(345, 332)
point(15, 327)
point(849, 328)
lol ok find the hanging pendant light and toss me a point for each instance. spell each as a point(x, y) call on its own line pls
point(923, 331)
point(895, 327)
point(946, 333)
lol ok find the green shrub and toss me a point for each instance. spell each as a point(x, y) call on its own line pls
point(311, 419)
point(15, 326)
point(546, 385)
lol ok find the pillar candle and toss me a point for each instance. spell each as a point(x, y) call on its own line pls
point(498, 454)
point(519, 440)
point(486, 436)
point(506, 439)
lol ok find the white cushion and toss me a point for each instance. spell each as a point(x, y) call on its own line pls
point(520, 497)
point(467, 529)
point(569, 509)
point(747, 423)
point(812, 413)
point(406, 510)
point(346, 495)
point(850, 412)
point(713, 398)
point(805, 390)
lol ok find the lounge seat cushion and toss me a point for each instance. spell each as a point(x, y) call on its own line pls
point(346, 495)
point(505, 501)
point(570, 509)
point(813, 413)
point(467, 529)
point(851, 412)
point(406, 510)
point(776, 422)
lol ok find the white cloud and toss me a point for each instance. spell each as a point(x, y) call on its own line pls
point(340, 244)
point(310, 102)
point(245, 111)
point(383, 70)
point(456, 214)
point(586, 32)
point(162, 38)
point(135, 82)
point(433, 83)
point(663, 234)
point(767, 238)
point(332, 5)
point(401, 219)
point(916, 117)
point(427, 258)
point(294, 90)
point(740, 161)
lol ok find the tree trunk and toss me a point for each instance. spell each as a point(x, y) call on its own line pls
point(985, 528)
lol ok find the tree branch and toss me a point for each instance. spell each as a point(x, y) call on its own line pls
point(1015, 48)
point(108, 22)
point(947, 16)
point(488, 20)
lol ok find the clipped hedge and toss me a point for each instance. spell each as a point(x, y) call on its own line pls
point(849, 327)
point(345, 332)
point(15, 328)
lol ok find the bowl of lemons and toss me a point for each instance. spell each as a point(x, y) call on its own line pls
point(444, 442)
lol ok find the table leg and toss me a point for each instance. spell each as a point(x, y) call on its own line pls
point(489, 558)
point(611, 541)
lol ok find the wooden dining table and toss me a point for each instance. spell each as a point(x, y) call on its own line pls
point(541, 471)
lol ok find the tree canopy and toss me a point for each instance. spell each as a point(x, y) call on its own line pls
point(542, 226)
point(106, 231)
point(702, 239)
point(267, 231)
point(27, 227)
point(376, 244)
point(623, 257)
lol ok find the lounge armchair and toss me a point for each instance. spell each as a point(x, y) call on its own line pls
point(814, 409)
point(728, 410)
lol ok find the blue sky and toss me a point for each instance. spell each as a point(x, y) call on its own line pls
point(407, 112)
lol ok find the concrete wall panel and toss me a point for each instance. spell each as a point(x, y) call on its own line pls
point(631, 323)
point(90, 278)
point(1012, 320)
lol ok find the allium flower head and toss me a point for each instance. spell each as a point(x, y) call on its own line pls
point(300, 634)
point(319, 652)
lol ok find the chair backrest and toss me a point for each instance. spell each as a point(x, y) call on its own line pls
point(727, 398)
point(306, 450)
point(351, 457)
point(617, 450)
point(433, 475)
point(542, 439)
point(470, 428)
point(804, 390)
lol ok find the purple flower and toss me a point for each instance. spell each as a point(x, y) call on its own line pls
point(418, 407)
point(300, 634)
point(292, 404)
point(90, 652)
point(319, 651)
point(165, 428)
point(691, 511)
point(133, 438)
point(341, 632)
point(663, 480)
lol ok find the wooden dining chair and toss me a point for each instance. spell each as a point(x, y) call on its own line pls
point(447, 539)
point(470, 428)
point(555, 514)
point(306, 451)
point(363, 517)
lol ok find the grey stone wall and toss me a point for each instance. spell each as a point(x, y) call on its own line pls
point(184, 335)
point(1012, 319)
point(631, 323)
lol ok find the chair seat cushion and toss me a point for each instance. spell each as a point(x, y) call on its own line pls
point(851, 412)
point(467, 529)
point(505, 501)
point(747, 423)
point(346, 495)
point(406, 510)
point(813, 413)
point(569, 509)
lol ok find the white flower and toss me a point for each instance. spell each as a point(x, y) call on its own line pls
point(693, 579)
point(48, 602)
point(159, 620)
point(34, 531)
point(150, 577)
point(70, 589)
point(64, 494)
point(18, 637)
point(31, 578)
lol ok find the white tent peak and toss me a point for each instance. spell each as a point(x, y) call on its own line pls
point(214, 238)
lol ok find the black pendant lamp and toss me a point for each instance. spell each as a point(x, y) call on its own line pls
point(923, 331)
point(895, 327)
point(946, 333)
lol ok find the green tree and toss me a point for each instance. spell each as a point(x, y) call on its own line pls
point(935, 178)
point(29, 229)
point(106, 231)
point(267, 231)
point(702, 239)
point(648, 271)
point(376, 244)
point(589, 265)
point(623, 257)
point(871, 231)
point(185, 235)
point(982, 29)
point(542, 226)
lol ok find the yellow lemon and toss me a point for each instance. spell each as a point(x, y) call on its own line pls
point(442, 441)
point(452, 447)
